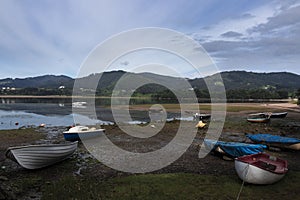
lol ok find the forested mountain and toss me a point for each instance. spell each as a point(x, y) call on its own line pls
point(46, 81)
point(238, 84)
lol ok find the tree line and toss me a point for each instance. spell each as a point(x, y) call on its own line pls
point(164, 93)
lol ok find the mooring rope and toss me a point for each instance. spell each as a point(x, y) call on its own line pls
point(246, 168)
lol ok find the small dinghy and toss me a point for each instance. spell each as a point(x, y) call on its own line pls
point(260, 168)
point(198, 116)
point(279, 115)
point(82, 132)
point(259, 118)
point(39, 156)
point(233, 149)
point(275, 141)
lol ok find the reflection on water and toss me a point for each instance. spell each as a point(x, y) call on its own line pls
point(15, 113)
point(17, 119)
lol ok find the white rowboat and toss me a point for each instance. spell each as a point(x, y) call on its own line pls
point(260, 168)
point(39, 156)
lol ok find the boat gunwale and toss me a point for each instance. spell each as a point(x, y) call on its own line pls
point(285, 164)
point(41, 145)
point(88, 131)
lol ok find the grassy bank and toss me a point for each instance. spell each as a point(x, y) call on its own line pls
point(19, 136)
point(170, 186)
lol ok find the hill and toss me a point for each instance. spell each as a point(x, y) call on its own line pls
point(241, 82)
point(46, 81)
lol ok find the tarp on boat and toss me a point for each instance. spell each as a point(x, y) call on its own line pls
point(235, 149)
point(268, 138)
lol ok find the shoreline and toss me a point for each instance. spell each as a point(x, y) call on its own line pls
point(228, 101)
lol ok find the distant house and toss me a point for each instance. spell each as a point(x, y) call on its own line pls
point(8, 88)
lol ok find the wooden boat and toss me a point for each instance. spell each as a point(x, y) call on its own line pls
point(198, 116)
point(279, 115)
point(82, 132)
point(260, 168)
point(259, 118)
point(39, 156)
point(275, 141)
point(233, 149)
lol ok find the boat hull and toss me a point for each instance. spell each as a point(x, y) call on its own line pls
point(262, 120)
point(279, 115)
point(39, 156)
point(202, 117)
point(255, 175)
point(76, 136)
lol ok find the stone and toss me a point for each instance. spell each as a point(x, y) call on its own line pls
point(3, 178)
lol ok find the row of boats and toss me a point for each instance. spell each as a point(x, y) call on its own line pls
point(251, 163)
point(263, 117)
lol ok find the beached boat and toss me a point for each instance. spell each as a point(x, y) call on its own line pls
point(259, 117)
point(233, 149)
point(279, 115)
point(260, 168)
point(82, 132)
point(79, 104)
point(275, 141)
point(39, 156)
point(198, 116)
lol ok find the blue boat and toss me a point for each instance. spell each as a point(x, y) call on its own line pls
point(234, 149)
point(82, 132)
point(275, 140)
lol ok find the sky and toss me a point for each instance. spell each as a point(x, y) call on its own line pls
point(55, 37)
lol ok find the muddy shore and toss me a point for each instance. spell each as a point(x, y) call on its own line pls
point(18, 183)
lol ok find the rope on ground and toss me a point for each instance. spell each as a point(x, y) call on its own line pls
point(246, 173)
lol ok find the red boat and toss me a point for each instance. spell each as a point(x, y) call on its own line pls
point(260, 168)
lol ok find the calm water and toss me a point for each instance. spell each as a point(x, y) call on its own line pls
point(16, 113)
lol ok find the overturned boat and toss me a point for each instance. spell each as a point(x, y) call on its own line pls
point(260, 168)
point(39, 156)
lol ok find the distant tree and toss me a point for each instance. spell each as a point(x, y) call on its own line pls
point(298, 96)
point(283, 94)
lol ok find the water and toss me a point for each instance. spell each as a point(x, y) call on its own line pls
point(24, 112)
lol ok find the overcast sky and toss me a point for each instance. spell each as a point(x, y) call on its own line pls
point(54, 37)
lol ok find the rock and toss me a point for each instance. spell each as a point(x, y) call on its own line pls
point(3, 178)
point(48, 183)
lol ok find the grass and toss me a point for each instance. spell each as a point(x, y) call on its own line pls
point(170, 186)
point(19, 136)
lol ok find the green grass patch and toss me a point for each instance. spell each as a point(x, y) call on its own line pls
point(19, 136)
point(170, 186)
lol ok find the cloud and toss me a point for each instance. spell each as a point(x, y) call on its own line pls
point(283, 22)
point(230, 34)
point(45, 37)
point(271, 45)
